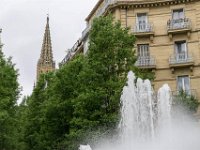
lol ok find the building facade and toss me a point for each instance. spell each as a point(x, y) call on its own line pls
point(46, 63)
point(167, 38)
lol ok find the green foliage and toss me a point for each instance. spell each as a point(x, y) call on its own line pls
point(144, 73)
point(35, 115)
point(187, 100)
point(110, 57)
point(111, 46)
point(9, 92)
point(21, 120)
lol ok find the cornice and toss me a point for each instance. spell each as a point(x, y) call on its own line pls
point(151, 3)
point(138, 4)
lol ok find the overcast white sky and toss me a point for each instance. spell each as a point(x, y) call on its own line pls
point(23, 23)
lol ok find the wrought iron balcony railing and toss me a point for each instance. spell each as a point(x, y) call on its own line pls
point(180, 58)
point(71, 52)
point(182, 23)
point(145, 27)
point(66, 59)
point(145, 61)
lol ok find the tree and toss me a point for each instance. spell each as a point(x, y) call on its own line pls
point(49, 108)
point(110, 57)
point(59, 106)
point(9, 92)
point(21, 122)
point(34, 137)
point(187, 101)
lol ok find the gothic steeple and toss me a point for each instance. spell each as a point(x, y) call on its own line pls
point(45, 62)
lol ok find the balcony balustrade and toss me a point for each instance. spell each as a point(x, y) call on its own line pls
point(146, 62)
point(72, 52)
point(66, 59)
point(144, 30)
point(181, 58)
point(145, 27)
point(179, 25)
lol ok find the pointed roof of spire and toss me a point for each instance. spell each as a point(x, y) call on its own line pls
point(45, 62)
point(46, 51)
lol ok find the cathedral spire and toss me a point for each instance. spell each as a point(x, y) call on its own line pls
point(46, 51)
point(1, 44)
point(46, 63)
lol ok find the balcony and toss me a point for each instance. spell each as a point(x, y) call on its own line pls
point(182, 25)
point(181, 60)
point(66, 59)
point(77, 48)
point(146, 62)
point(142, 30)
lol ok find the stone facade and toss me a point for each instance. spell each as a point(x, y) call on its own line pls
point(45, 62)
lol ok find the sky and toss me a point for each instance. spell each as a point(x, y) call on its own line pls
point(23, 24)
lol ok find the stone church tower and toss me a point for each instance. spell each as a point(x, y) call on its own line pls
point(45, 62)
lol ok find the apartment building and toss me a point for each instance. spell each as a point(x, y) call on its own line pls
point(168, 38)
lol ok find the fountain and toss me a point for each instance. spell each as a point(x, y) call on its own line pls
point(146, 121)
point(137, 115)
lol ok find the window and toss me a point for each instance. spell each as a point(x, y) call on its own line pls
point(143, 55)
point(142, 22)
point(143, 50)
point(183, 83)
point(178, 14)
point(181, 51)
point(178, 18)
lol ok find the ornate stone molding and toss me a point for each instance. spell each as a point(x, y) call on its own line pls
point(137, 4)
point(150, 3)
